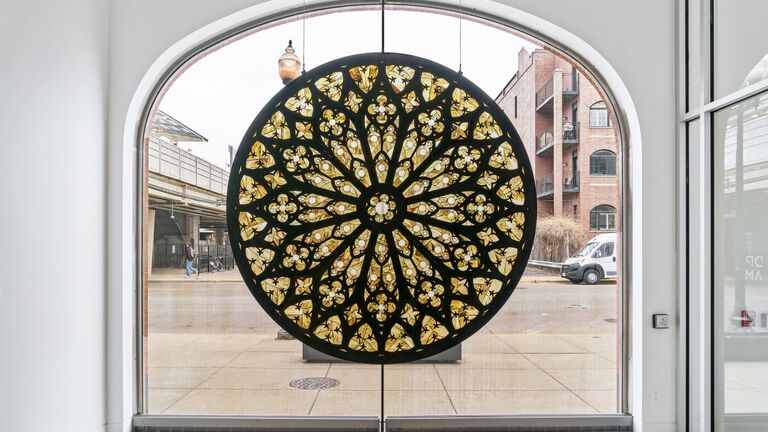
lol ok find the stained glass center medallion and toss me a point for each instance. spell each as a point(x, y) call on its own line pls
point(381, 208)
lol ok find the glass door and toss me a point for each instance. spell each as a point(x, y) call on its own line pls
point(741, 263)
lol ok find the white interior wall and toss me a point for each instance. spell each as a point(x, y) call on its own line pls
point(53, 112)
point(636, 38)
point(53, 104)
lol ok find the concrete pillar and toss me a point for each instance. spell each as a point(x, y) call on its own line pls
point(150, 230)
point(557, 149)
point(192, 229)
point(221, 237)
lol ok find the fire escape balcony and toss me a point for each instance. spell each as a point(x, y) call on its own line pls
point(546, 94)
point(570, 132)
point(545, 186)
point(546, 140)
point(570, 86)
point(571, 182)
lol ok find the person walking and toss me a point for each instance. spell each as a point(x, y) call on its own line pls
point(189, 258)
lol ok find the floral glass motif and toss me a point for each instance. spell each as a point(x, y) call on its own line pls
point(381, 208)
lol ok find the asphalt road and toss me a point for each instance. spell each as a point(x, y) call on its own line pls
point(228, 307)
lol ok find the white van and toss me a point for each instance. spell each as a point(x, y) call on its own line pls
point(595, 261)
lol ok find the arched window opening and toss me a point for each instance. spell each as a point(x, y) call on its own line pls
point(189, 144)
point(598, 115)
point(602, 163)
point(602, 218)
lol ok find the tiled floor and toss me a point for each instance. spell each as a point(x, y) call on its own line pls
point(213, 351)
point(244, 374)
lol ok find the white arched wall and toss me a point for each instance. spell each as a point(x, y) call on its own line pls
point(635, 61)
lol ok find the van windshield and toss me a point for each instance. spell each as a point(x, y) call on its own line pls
point(586, 250)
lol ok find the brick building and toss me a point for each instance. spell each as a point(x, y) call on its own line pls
point(566, 128)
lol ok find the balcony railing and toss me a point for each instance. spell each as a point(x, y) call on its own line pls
point(571, 83)
point(544, 93)
point(570, 132)
point(545, 186)
point(545, 141)
point(571, 182)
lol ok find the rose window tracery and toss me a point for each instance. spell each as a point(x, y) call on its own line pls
point(381, 208)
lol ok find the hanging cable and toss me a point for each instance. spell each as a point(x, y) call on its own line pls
point(382, 25)
point(461, 16)
point(303, 37)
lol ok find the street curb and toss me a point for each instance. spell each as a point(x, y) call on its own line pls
point(524, 279)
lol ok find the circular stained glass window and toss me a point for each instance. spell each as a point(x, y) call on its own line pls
point(381, 208)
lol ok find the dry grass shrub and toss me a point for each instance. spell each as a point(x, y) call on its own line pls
point(557, 238)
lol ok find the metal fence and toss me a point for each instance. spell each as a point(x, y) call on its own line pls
point(171, 161)
point(545, 92)
point(171, 255)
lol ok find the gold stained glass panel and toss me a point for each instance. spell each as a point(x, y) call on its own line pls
point(381, 210)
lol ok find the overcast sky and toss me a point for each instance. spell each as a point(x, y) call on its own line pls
point(221, 94)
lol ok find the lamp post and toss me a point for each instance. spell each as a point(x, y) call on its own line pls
point(289, 65)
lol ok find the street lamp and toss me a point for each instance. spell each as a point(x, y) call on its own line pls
point(289, 64)
point(289, 67)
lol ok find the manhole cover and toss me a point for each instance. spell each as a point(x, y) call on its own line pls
point(314, 383)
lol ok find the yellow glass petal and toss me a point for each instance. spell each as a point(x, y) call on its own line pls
point(462, 313)
point(301, 102)
point(259, 258)
point(432, 331)
point(504, 259)
point(276, 127)
point(433, 86)
point(363, 340)
point(399, 76)
point(486, 289)
point(330, 85)
point(398, 340)
point(300, 313)
point(503, 157)
point(276, 288)
point(364, 76)
point(250, 191)
point(259, 157)
point(462, 103)
point(250, 224)
point(330, 330)
point(486, 127)
point(512, 190)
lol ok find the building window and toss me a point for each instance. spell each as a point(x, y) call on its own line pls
point(515, 106)
point(575, 212)
point(602, 218)
point(598, 115)
point(602, 163)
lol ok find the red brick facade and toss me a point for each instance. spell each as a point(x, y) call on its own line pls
point(552, 147)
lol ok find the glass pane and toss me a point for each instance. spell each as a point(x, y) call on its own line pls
point(741, 262)
point(694, 53)
point(741, 44)
point(553, 348)
point(211, 349)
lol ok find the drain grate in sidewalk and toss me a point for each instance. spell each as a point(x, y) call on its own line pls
point(314, 383)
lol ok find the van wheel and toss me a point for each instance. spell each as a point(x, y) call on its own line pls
point(591, 277)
